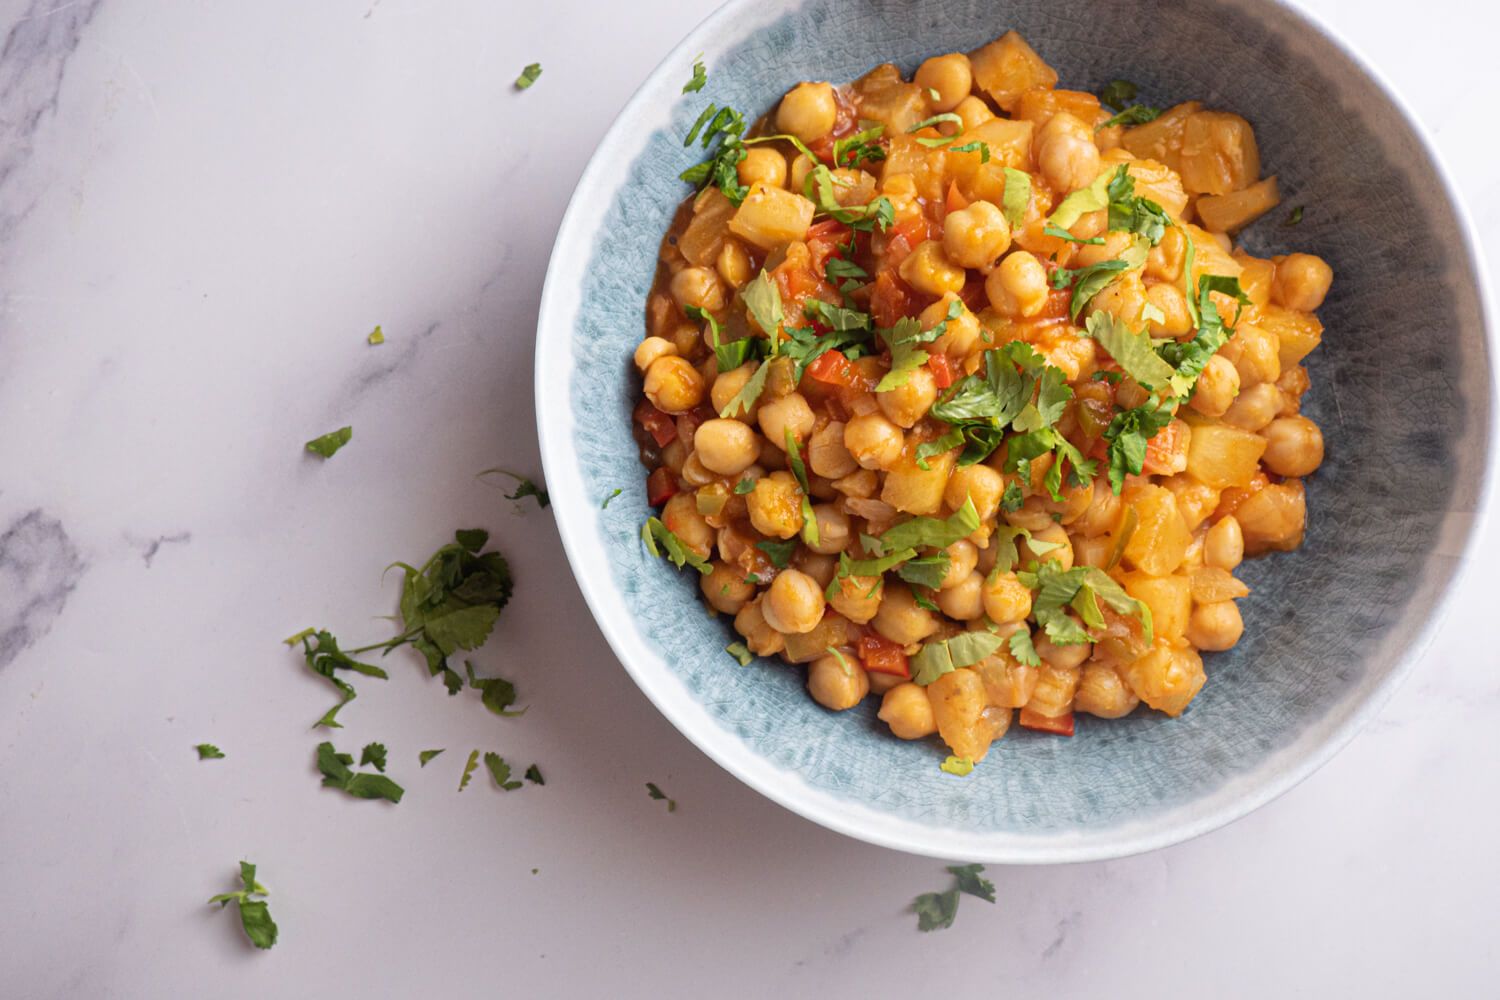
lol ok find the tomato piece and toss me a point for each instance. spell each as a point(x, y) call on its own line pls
point(902, 239)
point(661, 486)
point(1062, 725)
point(882, 656)
point(890, 300)
point(1166, 452)
point(659, 425)
point(942, 370)
point(833, 368)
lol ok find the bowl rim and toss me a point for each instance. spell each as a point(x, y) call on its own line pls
point(577, 527)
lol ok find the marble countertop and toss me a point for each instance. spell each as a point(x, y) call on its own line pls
point(204, 208)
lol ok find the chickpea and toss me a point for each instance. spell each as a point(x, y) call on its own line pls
point(1103, 512)
point(789, 414)
point(733, 265)
point(697, 286)
point(1054, 534)
point(1301, 282)
point(1254, 407)
point(1033, 514)
point(960, 334)
point(673, 385)
point(978, 483)
point(1114, 245)
point(652, 348)
point(1101, 692)
point(1164, 262)
point(764, 165)
point(1215, 626)
point(1066, 153)
point(881, 683)
point(674, 456)
point(694, 472)
point(900, 618)
point(963, 556)
point(817, 565)
point(950, 76)
point(907, 711)
point(1224, 545)
point(687, 336)
point(976, 236)
point(681, 517)
point(1006, 599)
point(833, 529)
point(808, 111)
point(725, 589)
point(927, 269)
point(1294, 446)
point(762, 639)
point(1018, 287)
point(973, 111)
point(1173, 305)
point(794, 603)
point(862, 484)
point(727, 447)
point(857, 598)
point(909, 402)
point(837, 682)
point(826, 454)
point(728, 384)
point(801, 167)
point(1066, 657)
point(775, 505)
point(1217, 387)
point(874, 441)
point(963, 601)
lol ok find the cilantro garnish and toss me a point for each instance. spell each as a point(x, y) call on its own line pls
point(779, 552)
point(929, 532)
point(744, 486)
point(497, 693)
point(1117, 94)
point(528, 76)
point(1089, 281)
point(933, 122)
point(974, 146)
point(903, 340)
point(605, 504)
point(1079, 588)
point(1295, 217)
point(740, 652)
point(700, 77)
point(659, 795)
point(525, 487)
point(1192, 357)
point(327, 444)
point(819, 189)
point(1133, 213)
point(337, 773)
point(860, 147)
point(1062, 234)
point(500, 771)
point(936, 910)
point(1023, 649)
point(654, 531)
point(469, 766)
point(799, 470)
point(926, 571)
point(946, 655)
point(763, 301)
point(1128, 434)
point(427, 755)
point(207, 751)
point(1131, 349)
point(373, 753)
point(1017, 196)
point(959, 766)
point(321, 650)
point(1136, 114)
point(722, 167)
point(377, 336)
point(744, 400)
point(1013, 498)
point(534, 775)
point(970, 882)
point(255, 915)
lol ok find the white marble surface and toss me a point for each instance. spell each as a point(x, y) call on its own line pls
point(204, 207)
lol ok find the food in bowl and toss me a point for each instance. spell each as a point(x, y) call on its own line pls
point(957, 391)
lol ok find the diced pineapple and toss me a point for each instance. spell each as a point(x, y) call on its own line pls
point(1167, 677)
point(1042, 103)
point(808, 646)
point(1212, 584)
point(1055, 688)
point(928, 168)
point(1155, 180)
point(883, 96)
point(1255, 278)
point(1224, 456)
point(703, 238)
point(1007, 67)
point(1009, 143)
point(771, 217)
point(1007, 683)
point(1297, 333)
point(1161, 139)
point(1170, 599)
point(1195, 500)
point(1161, 537)
point(910, 488)
point(1219, 154)
point(1229, 213)
point(1274, 518)
point(964, 717)
point(1210, 257)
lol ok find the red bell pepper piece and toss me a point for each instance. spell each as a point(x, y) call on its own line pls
point(661, 486)
point(1062, 725)
point(833, 368)
point(661, 426)
point(942, 370)
point(882, 656)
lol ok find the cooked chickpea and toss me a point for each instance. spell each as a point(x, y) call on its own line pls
point(725, 589)
point(1217, 387)
point(1256, 357)
point(733, 265)
point(833, 529)
point(1067, 657)
point(1101, 692)
point(900, 618)
point(907, 711)
point(697, 286)
point(1294, 446)
point(973, 112)
point(928, 269)
point(681, 517)
point(1066, 153)
point(857, 598)
point(949, 76)
point(762, 639)
point(794, 602)
point(826, 454)
point(694, 472)
point(818, 565)
point(874, 441)
point(790, 414)
point(964, 600)
point(1254, 407)
point(837, 682)
point(808, 111)
point(775, 505)
point(1164, 262)
point(1302, 281)
point(1053, 534)
point(961, 334)
point(1006, 599)
point(1103, 512)
point(963, 556)
point(1215, 626)
point(801, 167)
point(728, 384)
point(727, 447)
point(673, 385)
point(976, 236)
point(909, 402)
point(1173, 305)
point(1224, 545)
point(652, 348)
point(979, 483)
point(764, 165)
point(1018, 287)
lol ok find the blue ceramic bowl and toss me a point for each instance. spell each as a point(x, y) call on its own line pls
point(1402, 387)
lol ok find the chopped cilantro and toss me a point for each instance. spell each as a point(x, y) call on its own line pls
point(605, 504)
point(496, 693)
point(323, 656)
point(1089, 281)
point(763, 300)
point(678, 553)
point(926, 571)
point(469, 767)
point(377, 336)
point(970, 882)
point(207, 751)
point(534, 775)
point(362, 785)
point(1117, 94)
point(1079, 589)
point(931, 532)
point(740, 652)
point(819, 189)
point(1136, 114)
point(946, 655)
point(659, 795)
point(326, 444)
point(255, 915)
point(1023, 649)
point(524, 487)
point(373, 753)
point(960, 766)
point(744, 400)
point(1017, 196)
point(744, 486)
point(936, 910)
point(1012, 499)
point(860, 147)
point(1062, 234)
point(1295, 217)
point(974, 146)
point(500, 771)
point(427, 755)
point(1128, 434)
point(780, 552)
point(1192, 357)
point(700, 77)
point(721, 169)
point(1131, 349)
point(528, 76)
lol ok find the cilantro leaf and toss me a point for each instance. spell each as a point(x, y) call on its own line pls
point(605, 504)
point(780, 552)
point(851, 150)
point(321, 651)
point(1117, 94)
point(700, 77)
point(1131, 213)
point(1062, 234)
point(927, 571)
point(497, 693)
point(1136, 114)
point(337, 773)
point(1132, 350)
point(524, 487)
point(207, 751)
point(1078, 588)
point(1192, 357)
point(1295, 217)
point(960, 766)
point(970, 882)
point(744, 400)
point(1012, 499)
point(946, 655)
point(1023, 649)
point(721, 169)
point(528, 76)
point(740, 652)
point(744, 486)
point(534, 775)
point(1091, 280)
point(659, 795)
point(931, 532)
point(1081, 202)
point(1017, 196)
point(469, 766)
point(936, 910)
point(377, 336)
point(427, 755)
point(500, 771)
point(373, 753)
point(678, 553)
point(255, 914)
point(902, 339)
point(1128, 434)
point(327, 444)
point(818, 187)
point(763, 300)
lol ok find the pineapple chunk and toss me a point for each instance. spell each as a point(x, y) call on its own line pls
point(1161, 537)
point(1219, 154)
point(1229, 213)
point(1170, 599)
point(1297, 333)
point(1042, 103)
point(1009, 143)
point(1167, 677)
point(965, 720)
point(1055, 688)
point(883, 96)
point(1156, 181)
point(1274, 518)
point(1255, 278)
point(1161, 139)
point(1007, 67)
point(910, 488)
point(808, 646)
point(1223, 456)
point(771, 217)
point(703, 238)
point(1211, 584)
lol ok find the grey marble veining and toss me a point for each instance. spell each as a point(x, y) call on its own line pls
point(39, 567)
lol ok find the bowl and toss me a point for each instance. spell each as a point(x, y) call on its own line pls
point(1402, 387)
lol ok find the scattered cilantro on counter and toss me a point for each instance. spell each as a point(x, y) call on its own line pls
point(377, 336)
point(427, 755)
point(207, 751)
point(524, 487)
point(500, 771)
point(255, 915)
point(534, 775)
point(373, 753)
point(360, 784)
point(658, 795)
point(936, 910)
point(469, 766)
point(960, 766)
point(331, 442)
point(528, 76)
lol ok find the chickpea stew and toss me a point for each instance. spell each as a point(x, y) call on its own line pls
point(958, 392)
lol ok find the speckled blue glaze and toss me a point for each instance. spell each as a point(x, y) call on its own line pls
point(1327, 629)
